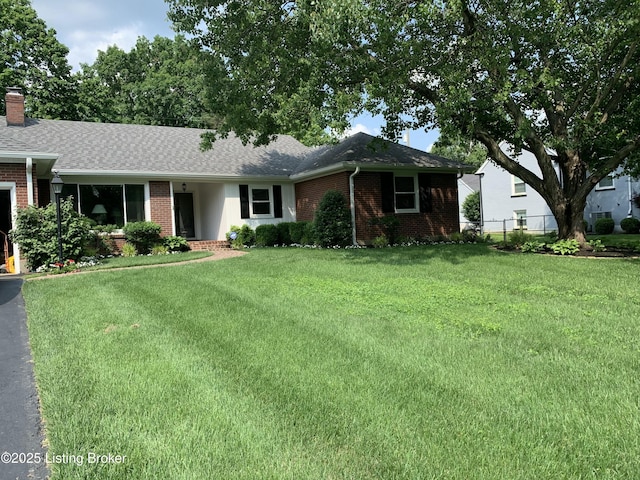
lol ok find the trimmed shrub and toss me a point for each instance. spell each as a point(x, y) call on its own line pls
point(296, 231)
point(284, 233)
point(176, 244)
point(142, 235)
point(333, 221)
point(630, 225)
point(241, 237)
point(604, 226)
point(471, 207)
point(266, 235)
point(309, 234)
point(36, 230)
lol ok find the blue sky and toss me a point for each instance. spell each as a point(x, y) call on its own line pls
point(86, 26)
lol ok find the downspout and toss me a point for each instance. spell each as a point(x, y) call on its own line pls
point(630, 213)
point(29, 169)
point(480, 175)
point(352, 202)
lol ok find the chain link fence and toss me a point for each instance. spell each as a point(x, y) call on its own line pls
point(533, 224)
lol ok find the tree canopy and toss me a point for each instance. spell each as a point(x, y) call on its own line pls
point(32, 58)
point(542, 75)
point(159, 82)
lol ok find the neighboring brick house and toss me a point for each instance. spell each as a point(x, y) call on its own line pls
point(120, 173)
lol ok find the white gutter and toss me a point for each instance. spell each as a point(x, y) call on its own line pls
point(352, 201)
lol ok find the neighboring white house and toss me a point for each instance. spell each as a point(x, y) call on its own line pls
point(508, 203)
point(468, 184)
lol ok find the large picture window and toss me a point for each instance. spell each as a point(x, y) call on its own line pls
point(108, 204)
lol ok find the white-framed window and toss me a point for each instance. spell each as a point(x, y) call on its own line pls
point(520, 219)
point(406, 193)
point(606, 183)
point(261, 200)
point(599, 215)
point(518, 187)
point(115, 204)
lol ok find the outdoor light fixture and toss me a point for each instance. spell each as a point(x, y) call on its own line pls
point(184, 187)
point(56, 185)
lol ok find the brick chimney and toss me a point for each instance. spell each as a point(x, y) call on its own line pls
point(15, 106)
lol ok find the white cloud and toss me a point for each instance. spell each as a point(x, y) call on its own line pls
point(84, 45)
point(361, 128)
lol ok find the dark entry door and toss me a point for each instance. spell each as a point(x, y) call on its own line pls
point(5, 224)
point(185, 226)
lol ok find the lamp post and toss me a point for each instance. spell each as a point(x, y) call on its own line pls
point(56, 185)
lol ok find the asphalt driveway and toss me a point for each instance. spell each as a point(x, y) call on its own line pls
point(22, 455)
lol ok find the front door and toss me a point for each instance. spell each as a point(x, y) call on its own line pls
point(183, 206)
point(6, 248)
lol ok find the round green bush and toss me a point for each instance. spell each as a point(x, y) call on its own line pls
point(604, 226)
point(266, 235)
point(630, 225)
point(333, 220)
point(142, 235)
point(284, 233)
point(296, 231)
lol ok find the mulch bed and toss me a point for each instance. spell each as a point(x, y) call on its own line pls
point(611, 252)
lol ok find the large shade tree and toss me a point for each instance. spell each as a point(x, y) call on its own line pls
point(557, 77)
point(31, 57)
point(158, 82)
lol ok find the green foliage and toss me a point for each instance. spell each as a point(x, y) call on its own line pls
point(36, 230)
point(158, 82)
point(532, 246)
point(241, 237)
point(604, 226)
point(309, 236)
point(474, 70)
point(380, 241)
point(159, 250)
point(471, 207)
point(32, 58)
point(390, 225)
point(297, 231)
point(266, 235)
point(630, 225)
point(597, 245)
point(333, 220)
point(460, 149)
point(176, 244)
point(142, 235)
point(565, 247)
point(284, 233)
point(129, 250)
point(518, 238)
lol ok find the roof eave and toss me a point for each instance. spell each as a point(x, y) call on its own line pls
point(151, 175)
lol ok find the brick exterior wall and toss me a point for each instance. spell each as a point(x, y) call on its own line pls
point(161, 206)
point(310, 192)
point(442, 220)
point(16, 172)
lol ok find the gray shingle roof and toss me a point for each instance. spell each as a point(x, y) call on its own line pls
point(365, 150)
point(155, 150)
point(105, 147)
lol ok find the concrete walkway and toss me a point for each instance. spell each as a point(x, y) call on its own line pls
point(22, 455)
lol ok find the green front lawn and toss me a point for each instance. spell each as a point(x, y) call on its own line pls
point(449, 361)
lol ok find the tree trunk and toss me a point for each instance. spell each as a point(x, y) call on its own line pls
point(569, 215)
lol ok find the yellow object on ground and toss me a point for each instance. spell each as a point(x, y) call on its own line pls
point(11, 266)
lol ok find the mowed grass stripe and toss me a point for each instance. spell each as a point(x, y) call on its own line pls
point(441, 362)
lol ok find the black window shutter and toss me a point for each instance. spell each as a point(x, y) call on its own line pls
point(277, 201)
point(387, 191)
point(244, 201)
point(424, 185)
